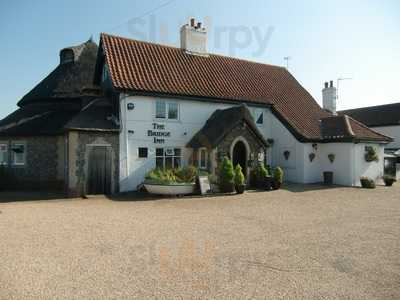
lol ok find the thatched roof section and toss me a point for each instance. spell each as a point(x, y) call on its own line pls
point(37, 119)
point(51, 119)
point(71, 79)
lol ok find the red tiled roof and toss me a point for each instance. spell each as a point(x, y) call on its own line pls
point(157, 69)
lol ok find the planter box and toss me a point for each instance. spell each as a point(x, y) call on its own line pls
point(170, 189)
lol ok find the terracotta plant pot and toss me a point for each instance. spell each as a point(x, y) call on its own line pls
point(240, 188)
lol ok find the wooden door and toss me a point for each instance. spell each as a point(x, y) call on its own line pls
point(99, 170)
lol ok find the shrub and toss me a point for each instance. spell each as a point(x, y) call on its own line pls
point(186, 174)
point(367, 183)
point(258, 175)
point(260, 172)
point(226, 176)
point(278, 175)
point(239, 177)
point(172, 176)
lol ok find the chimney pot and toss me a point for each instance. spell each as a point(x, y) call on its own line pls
point(329, 97)
point(194, 38)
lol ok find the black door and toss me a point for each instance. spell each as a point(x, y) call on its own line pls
point(239, 156)
point(99, 174)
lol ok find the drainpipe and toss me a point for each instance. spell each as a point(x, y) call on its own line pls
point(125, 129)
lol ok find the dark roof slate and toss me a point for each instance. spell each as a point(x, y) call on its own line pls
point(96, 116)
point(213, 133)
point(374, 116)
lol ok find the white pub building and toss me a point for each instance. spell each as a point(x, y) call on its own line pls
point(180, 106)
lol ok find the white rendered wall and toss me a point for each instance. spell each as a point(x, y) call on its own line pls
point(373, 170)
point(349, 164)
point(193, 115)
point(347, 167)
point(392, 131)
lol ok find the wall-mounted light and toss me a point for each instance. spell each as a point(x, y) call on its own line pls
point(130, 106)
point(315, 146)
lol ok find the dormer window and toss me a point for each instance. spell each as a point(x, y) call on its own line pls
point(66, 56)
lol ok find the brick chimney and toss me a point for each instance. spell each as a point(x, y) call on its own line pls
point(194, 38)
point(329, 97)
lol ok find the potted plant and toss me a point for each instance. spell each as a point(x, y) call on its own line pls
point(371, 154)
point(278, 178)
point(389, 180)
point(226, 176)
point(260, 178)
point(171, 181)
point(240, 185)
point(367, 183)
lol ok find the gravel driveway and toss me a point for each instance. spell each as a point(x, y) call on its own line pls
point(298, 243)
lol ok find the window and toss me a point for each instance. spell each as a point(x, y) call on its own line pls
point(173, 111)
point(160, 109)
point(168, 158)
point(203, 158)
point(167, 110)
point(3, 154)
point(18, 153)
point(259, 117)
point(142, 152)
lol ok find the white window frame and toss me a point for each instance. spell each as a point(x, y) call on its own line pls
point(6, 152)
point(14, 163)
point(164, 156)
point(199, 161)
point(166, 115)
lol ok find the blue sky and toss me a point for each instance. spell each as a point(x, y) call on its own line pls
point(325, 39)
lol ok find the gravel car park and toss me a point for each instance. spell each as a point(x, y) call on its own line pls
point(301, 242)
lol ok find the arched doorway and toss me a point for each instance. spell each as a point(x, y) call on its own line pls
point(239, 156)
